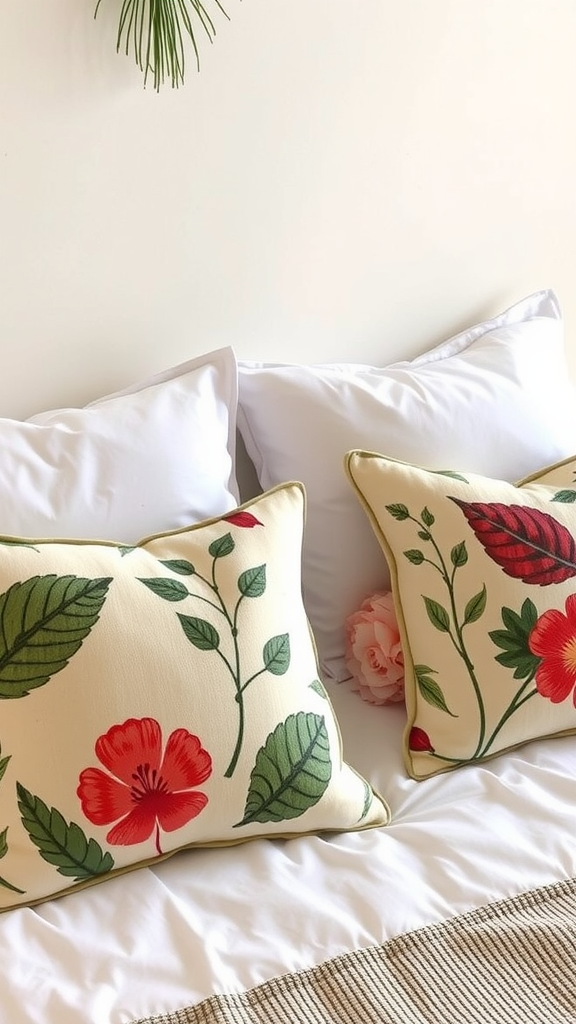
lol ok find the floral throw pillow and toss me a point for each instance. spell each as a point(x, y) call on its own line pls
point(161, 696)
point(484, 578)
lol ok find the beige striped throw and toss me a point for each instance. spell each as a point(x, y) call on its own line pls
point(510, 962)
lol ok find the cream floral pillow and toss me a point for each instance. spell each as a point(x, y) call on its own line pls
point(162, 696)
point(484, 577)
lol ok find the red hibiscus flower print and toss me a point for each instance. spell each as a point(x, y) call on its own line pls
point(553, 639)
point(146, 790)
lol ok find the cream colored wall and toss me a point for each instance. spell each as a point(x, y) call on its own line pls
point(341, 180)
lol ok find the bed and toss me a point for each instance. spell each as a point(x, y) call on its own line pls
point(166, 855)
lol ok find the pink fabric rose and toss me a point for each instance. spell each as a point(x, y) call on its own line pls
point(373, 651)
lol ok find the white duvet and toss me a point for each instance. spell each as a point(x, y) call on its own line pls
point(223, 920)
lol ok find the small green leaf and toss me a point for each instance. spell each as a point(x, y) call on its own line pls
point(200, 632)
point(414, 556)
point(126, 549)
point(430, 690)
point(424, 535)
point(221, 547)
point(451, 474)
point(459, 555)
point(318, 688)
point(476, 607)
point(276, 654)
point(427, 517)
point(59, 843)
point(180, 565)
point(45, 619)
point(565, 496)
point(3, 843)
point(399, 511)
point(9, 542)
point(292, 770)
point(252, 582)
point(368, 799)
point(513, 641)
point(438, 615)
point(3, 765)
point(170, 590)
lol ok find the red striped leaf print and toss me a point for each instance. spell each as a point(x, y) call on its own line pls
point(242, 518)
point(528, 544)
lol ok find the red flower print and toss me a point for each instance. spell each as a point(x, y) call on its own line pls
point(419, 740)
point(553, 639)
point(145, 788)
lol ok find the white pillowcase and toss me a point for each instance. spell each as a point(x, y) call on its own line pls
point(495, 399)
point(153, 457)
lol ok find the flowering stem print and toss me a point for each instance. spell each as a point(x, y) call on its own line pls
point(3, 835)
point(444, 621)
point(201, 632)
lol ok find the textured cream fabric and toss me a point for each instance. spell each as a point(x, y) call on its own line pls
point(484, 579)
point(162, 696)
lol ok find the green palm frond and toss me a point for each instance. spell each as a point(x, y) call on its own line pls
point(158, 31)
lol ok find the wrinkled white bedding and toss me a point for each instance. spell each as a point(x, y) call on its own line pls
point(222, 920)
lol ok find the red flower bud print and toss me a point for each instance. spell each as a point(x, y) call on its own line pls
point(144, 789)
point(419, 740)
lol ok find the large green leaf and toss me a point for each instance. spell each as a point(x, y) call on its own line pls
point(43, 622)
point(291, 772)
point(61, 844)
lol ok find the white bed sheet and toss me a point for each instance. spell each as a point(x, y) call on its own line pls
point(223, 920)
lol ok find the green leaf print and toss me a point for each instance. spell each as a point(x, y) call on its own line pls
point(438, 615)
point(318, 688)
point(63, 845)
point(200, 632)
point(252, 582)
point(170, 590)
point(277, 654)
point(292, 770)
point(513, 640)
point(180, 565)
point(459, 555)
point(3, 851)
point(475, 607)
point(565, 496)
point(44, 622)
point(222, 546)
point(430, 690)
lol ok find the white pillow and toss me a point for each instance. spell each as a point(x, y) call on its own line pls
point(495, 399)
point(154, 457)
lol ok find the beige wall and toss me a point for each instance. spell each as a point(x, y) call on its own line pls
point(340, 180)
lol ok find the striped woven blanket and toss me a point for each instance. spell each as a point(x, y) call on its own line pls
point(511, 962)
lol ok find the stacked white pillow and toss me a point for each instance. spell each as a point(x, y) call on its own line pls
point(495, 399)
point(155, 456)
